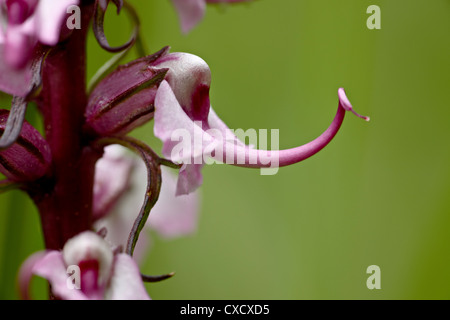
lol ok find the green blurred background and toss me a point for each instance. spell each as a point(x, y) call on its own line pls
point(377, 195)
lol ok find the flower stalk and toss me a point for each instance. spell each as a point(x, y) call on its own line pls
point(66, 207)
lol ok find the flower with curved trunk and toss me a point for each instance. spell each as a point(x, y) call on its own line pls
point(173, 88)
point(182, 105)
point(25, 24)
point(29, 158)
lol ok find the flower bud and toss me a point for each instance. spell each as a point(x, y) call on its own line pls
point(28, 158)
point(124, 100)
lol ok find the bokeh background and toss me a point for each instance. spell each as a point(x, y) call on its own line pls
point(377, 195)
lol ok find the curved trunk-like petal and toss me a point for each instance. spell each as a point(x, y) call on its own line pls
point(14, 81)
point(279, 158)
point(26, 273)
point(53, 268)
point(200, 141)
point(112, 174)
point(175, 214)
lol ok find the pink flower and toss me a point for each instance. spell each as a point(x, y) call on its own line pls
point(119, 191)
point(173, 89)
point(24, 24)
point(86, 269)
point(191, 12)
point(183, 113)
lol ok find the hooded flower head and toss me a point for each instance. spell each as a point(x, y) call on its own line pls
point(183, 117)
point(86, 269)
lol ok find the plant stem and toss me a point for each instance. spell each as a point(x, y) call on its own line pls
point(66, 205)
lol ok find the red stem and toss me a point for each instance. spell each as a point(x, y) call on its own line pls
point(66, 207)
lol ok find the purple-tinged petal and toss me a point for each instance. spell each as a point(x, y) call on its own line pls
point(172, 125)
point(29, 158)
point(190, 13)
point(175, 216)
point(19, 48)
point(102, 274)
point(30, 22)
point(26, 272)
point(112, 174)
point(25, 81)
point(49, 18)
point(19, 11)
point(345, 103)
point(190, 178)
point(13, 81)
point(53, 268)
point(214, 122)
point(279, 158)
point(191, 142)
point(126, 282)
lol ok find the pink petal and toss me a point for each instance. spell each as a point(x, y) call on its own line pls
point(26, 273)
point(2, 36)
point(50, 16)
point(112, 173)
point(175, 215)
point(172, 215)
point(18, 48)
point(190, 12)
point(53, 268)
point(120, 218)
point(175, 128)
point(126, 282)
point(14, 81)
point(190, 179)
